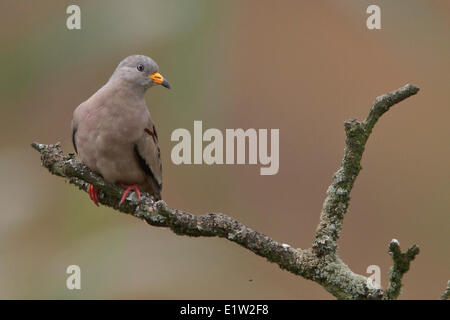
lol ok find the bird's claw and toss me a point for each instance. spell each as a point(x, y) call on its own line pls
point(93, 194)
point(127, 190)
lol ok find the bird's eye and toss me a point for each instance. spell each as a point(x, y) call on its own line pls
point(140, 67)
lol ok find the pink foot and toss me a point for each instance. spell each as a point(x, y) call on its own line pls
point(93, 194)
point(127, 190)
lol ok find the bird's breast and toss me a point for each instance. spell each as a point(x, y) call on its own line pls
point(106, 139)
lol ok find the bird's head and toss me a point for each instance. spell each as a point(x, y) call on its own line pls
point(140, 72)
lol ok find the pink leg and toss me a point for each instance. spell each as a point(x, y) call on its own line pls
point(127, 190)
point(93, 194)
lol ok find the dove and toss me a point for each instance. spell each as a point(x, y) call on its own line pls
point(113, 133)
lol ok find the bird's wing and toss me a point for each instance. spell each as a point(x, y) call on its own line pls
point(149, 158)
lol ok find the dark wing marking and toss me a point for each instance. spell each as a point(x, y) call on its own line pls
point(153, 134)
point(74, 131)
point(148, 171)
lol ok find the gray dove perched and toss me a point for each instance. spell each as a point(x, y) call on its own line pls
point(113, 133)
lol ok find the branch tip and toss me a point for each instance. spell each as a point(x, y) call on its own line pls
point(446, 294)
point(401, 265)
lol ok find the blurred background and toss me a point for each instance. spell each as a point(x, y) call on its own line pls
point(301, 66)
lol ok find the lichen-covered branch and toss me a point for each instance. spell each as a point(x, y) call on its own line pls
point(446, 294)
point(338, 194)
point(332, 274)
point(401, 266)
point(319, 263)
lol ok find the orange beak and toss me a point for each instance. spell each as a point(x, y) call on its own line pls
point(159, 79)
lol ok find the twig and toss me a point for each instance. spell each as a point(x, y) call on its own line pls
point(446, 294)
point(400, 267)
point(319, 263)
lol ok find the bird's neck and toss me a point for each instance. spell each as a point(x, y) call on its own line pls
point(128, 88)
